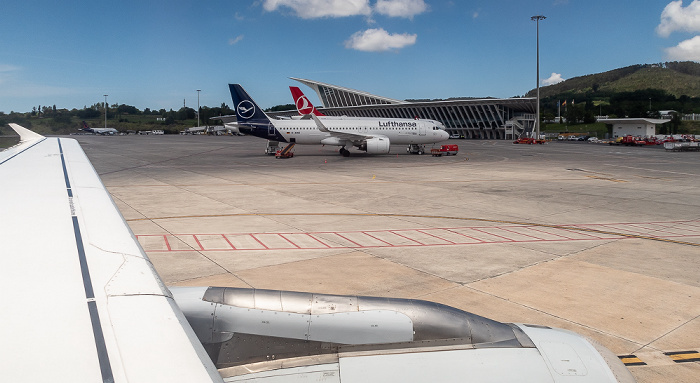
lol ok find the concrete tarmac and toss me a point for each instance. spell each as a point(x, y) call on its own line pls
point(601, 240)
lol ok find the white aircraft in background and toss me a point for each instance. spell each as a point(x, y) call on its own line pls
point(101, 131)
point(84, 304)
point(373, 135)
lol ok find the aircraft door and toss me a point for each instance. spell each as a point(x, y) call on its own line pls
point(270, 130)
point(421, 130)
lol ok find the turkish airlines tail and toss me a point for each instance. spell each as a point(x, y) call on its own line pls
point(304, 106)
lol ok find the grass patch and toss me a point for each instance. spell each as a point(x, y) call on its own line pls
point(597, 129)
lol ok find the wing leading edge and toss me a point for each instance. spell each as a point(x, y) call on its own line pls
point(354, 138)
point(81, 301)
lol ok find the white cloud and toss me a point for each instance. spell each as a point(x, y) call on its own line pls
point(8, 68)
point(555, 78)
point(379, 40)
point(401, 8)
point(6, 72)
point(676, 18)
point(235, 40)
point(311, 9)
point(685, 50)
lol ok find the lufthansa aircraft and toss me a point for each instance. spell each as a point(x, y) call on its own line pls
point(81, 302)
point(373, 135)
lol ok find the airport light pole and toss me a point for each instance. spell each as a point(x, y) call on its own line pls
point(537, 117)
point(105, 111)
point(198, 90)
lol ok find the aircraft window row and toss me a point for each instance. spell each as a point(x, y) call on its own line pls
point(341, 128)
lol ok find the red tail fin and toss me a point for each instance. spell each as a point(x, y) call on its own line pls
point(303, 104)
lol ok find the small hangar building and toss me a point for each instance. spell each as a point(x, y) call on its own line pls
point(639, 127)
point(486, 118)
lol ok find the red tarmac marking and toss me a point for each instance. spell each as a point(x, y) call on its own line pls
point(520, 234)
point(435, 236)
point(257, 240)
point(229, 242)
point(165, 238)
point(410, 239)
point(198, 243)
point(380, 240)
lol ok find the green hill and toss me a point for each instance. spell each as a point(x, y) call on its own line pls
point(676, 78)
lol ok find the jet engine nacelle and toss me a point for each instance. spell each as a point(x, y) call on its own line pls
point(376, 145)
point(373, 335)
point(233, 128)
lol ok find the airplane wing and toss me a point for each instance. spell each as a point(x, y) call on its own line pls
point(343, 136)
point(80, 300)
point(225, 119)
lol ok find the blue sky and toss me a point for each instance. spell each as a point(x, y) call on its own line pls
point(156, 54)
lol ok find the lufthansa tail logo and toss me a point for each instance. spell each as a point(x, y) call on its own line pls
point(245, 109)
point(304, 106)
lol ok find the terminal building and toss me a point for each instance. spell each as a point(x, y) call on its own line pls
point(487, 118)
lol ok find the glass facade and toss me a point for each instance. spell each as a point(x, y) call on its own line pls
point(469, 118)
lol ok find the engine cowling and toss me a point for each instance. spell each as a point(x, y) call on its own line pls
point(233, 128)
point(376, 145)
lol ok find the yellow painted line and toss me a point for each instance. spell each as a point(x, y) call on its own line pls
point(606, 179)
point(326, 183)
point(631, 360)
point(684, 356)
point(562, 227)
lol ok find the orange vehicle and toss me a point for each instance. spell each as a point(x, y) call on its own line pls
point(629, 140)
point(287, 152)
point(528, 140)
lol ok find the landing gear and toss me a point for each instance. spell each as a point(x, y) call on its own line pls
point(344, 152)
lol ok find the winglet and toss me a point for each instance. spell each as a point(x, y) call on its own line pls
point(319, 124)
point(25, 134)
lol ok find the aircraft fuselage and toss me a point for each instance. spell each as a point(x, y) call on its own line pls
point(398, 131)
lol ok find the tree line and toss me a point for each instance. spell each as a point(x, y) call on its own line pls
point(584, 107)
point(64, 119)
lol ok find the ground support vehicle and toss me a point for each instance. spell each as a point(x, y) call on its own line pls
point(272, 148)
point(528, 140)
point(682, 146)
point(415, 149)
point(628, 141)
point(446, 150)
point(287, 152)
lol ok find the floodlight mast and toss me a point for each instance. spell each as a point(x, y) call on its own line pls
point(105, 111)
point(537, 117)
point(198, 90)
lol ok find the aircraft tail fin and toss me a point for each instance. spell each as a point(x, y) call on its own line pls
point(86, 128)
point(304, 106)
point(247, 111)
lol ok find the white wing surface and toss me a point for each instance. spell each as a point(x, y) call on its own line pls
point(347, 136)
point(79, 299)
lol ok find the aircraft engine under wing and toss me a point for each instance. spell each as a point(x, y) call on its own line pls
point(376, 145)
point(80, 300)
point(265, 335)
